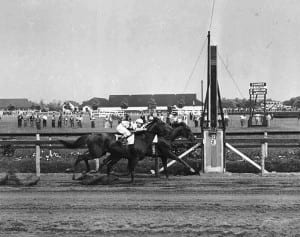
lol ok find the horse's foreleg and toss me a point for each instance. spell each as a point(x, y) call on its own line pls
point(78, 159)
point(83, 157)
point(164, 163)
point(87, 165)
point(106, 161)
point(113, 161)
point(132, 162)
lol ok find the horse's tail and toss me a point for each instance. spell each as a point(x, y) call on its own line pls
point(79, 142)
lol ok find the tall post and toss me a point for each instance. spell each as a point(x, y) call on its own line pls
point(202, 96)
point(213, 88)
point(213, 137)
point(208, 80)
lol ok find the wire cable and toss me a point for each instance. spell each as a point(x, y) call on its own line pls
point(230, 75)
point(212, 14)
point(194, 67)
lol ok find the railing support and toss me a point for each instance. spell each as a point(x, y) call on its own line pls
point(244, 156)
point(38, 157)
point(50, 148)
point(97, 164)
point(264, 154)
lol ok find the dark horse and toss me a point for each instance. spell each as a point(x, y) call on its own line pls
point(100, 144)
point(97, 144)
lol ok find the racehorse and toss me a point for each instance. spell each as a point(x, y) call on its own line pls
point(97, 144)
point(100, 144)
point(143, 146)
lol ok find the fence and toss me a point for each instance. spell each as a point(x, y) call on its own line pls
point(235, 140)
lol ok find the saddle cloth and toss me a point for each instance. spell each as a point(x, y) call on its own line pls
point(130, 139)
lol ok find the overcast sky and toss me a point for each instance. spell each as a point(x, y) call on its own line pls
point(76, 50)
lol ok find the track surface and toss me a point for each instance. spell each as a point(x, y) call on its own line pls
point(206, 205)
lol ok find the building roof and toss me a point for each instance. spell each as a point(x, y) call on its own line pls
point(17, 103)
point(160, 99)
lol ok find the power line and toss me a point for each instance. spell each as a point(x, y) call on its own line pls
point(212, 14)
point(230, 75)
point(194, 67)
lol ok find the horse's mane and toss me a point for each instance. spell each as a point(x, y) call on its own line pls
point(159, 127)
point(181, 124)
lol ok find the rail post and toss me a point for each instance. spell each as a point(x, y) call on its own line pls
point(38, 157)
point(264, 153)
point(97, 164)
point(50, 148)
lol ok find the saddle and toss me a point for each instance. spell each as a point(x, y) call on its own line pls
point(125, 140)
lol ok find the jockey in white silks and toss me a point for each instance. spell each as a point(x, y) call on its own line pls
point(123, 129)
point(138, 125)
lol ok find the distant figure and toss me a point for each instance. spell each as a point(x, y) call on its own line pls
point(66, 121)
point(44, 120)
point(257, 118)
point(72, 121)
point(92, 118)
point(143, 117)
point(31, 119)
point(106, 122)
point(80, 121)
point(226, 120)
point(59, 121)
point(53, 120)
point(268, 118)
point(25, 120)
point(196, 121)
point(20, 117)
point(110, 121)
point(242, 120)
point(38, 122)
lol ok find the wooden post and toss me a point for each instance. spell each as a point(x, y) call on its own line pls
point(97, 164)
point(50, 149)
point(38, 157)
point(262, 159)
point(264, 154)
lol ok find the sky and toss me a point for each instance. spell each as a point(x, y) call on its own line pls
point(56, 50)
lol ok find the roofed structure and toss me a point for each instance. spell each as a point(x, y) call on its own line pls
point(17, 103)
point(160, 99)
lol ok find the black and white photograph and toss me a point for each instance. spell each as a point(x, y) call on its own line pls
point(149, 118)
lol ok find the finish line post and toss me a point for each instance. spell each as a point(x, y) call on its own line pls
point(213, 135)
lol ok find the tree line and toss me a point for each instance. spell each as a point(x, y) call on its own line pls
point(94, 103)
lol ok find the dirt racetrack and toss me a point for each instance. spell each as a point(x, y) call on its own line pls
point(206, 205)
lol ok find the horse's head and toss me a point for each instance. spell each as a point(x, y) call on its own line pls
point(182, 130)
point(158, 127)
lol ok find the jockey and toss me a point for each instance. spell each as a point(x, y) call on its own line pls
point(123, 128)
point(138, 125)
